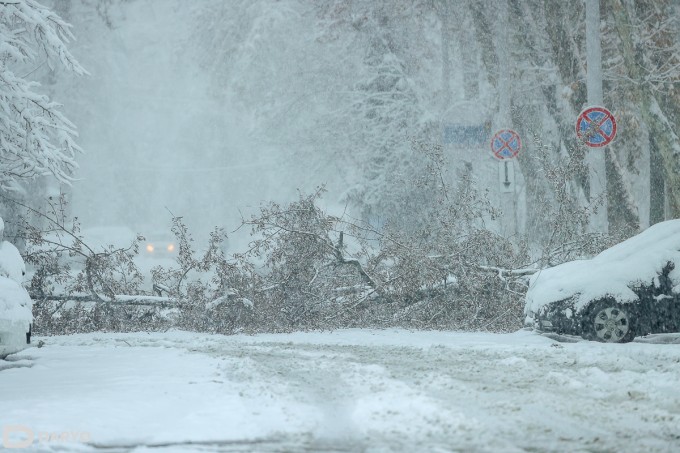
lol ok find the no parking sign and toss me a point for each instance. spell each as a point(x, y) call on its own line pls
point(596, 127)
point(505, 144)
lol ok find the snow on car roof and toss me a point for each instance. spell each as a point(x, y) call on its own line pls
point(613, 272)
point(11, 263)
point(15, 304)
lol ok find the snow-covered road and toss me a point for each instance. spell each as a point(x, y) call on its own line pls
point(352, 390)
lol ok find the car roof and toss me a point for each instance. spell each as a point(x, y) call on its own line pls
point(657, 238)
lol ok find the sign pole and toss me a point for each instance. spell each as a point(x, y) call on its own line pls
point(506, 183)
point(504, 104)
point(595, 158)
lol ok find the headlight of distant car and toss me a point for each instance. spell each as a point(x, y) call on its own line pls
point(160, 248)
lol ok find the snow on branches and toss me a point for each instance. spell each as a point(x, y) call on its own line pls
point(36, 139)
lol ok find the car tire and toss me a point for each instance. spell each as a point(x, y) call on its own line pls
point(609, 321)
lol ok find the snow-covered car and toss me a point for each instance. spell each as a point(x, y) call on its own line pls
point(630, 289)
point(16, 307)
point(16, 317)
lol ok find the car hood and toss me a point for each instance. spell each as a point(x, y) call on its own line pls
point(638, 260)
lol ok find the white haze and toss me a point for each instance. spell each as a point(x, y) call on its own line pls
point(162, 130)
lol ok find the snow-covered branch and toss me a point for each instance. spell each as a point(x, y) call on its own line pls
point(36, 138)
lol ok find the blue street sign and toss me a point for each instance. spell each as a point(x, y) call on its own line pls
point(465, 136)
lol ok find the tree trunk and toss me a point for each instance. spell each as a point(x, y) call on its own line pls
point(445, 18)
point(484, 36)
point(664, 140)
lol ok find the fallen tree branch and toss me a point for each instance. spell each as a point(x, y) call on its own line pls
point(508, 272)
point(163, 302)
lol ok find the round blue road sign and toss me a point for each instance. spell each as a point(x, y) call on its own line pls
point(506, 144)
point(596, 127)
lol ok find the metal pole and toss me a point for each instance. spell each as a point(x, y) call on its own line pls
point(504, 64)
point(504, 105)
point(595, 157)
point(593, 53)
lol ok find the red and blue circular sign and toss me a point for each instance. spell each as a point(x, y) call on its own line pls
point(596, 127)
point(506, 144)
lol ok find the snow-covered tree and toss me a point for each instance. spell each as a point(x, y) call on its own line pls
point(647, 75)
point(386, 102)
point(36, 139)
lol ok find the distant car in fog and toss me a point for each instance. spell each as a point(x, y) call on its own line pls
point(154, 245)
point(159, 246)
point(630, 289)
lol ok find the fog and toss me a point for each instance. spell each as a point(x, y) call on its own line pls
point(205, 109)
point(161, 132)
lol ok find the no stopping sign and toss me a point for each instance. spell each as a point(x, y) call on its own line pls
point(506, 144)
point(596, 127)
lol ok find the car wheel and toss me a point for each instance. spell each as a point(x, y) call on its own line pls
point(610, 322)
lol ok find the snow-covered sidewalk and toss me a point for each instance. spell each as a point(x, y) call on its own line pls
point(351, 390)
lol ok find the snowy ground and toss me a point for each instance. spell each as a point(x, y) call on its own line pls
point(350, 390)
